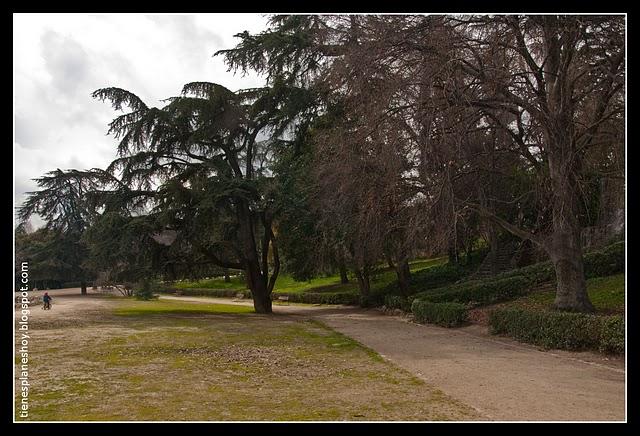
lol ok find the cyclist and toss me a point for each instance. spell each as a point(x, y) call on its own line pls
point(47, 301)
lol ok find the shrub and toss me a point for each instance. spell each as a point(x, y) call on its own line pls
point(479, 292)
point(436, 276)
point(537, 273)
point(563, 330)
point(443, 314)
point(376, 299)
point(398, 302)
point(605, 262)
point(350, 298)
point(612, 335)
point(207, 292)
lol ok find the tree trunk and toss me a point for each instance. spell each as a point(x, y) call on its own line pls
point(261, 299)
point(363, 282)
point(404, 276)
point(256, 281)
point(453, 252)
point(227, 279)
point(565, 245)
point(343, 274)
point(571, 293)
point(83, 287)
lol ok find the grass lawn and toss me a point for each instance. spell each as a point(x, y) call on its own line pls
point(164, 360)
point(606, 294)
point(285, 284)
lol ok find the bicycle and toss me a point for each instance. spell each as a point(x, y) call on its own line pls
point(46, 305)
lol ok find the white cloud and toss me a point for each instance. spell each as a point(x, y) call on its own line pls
point(59, 59)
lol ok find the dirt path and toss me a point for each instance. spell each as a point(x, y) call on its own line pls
point(501, 378)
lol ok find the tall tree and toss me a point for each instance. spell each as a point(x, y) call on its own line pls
point(62, 203)
point(204, 174)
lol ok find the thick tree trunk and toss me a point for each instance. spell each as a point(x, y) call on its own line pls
point(261, 298)
point(83, 287)
point(565, 245)
point(343, 274)
point(227, 279)
point(256, 281)
point(571, 293)
point(404, 275)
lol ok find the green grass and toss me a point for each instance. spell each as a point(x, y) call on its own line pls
point(606, 294)
point(193, 365)
point(217, 283)
point(285, 284)
point(419, 264)
point(155, 307)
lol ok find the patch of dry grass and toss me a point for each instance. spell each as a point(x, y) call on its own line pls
point(190, 365)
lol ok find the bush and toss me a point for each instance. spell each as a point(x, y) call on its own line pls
point(537, 273)
point(479, 292)
point(436, 276)
point(443, 314)
point(374, 299)
point(605, 262)
point(207, 292)
point(612, 335)
point(350, 298)
point(398, 302)
point(562, 330)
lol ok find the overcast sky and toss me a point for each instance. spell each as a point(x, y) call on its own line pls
point(59, 59)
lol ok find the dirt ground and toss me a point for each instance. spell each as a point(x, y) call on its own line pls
point(102, 358)
point(499, 378)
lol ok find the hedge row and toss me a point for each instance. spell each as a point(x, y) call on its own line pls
point(512, 284)
point(599, 263)
point(605, 262)
point(562, 330)
point(479, 292)
point(398, 302)
point(207, 292)
point(350, 298)
point(443, 314)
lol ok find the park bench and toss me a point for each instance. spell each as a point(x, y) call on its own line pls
point(239, 296)
point(283, 298)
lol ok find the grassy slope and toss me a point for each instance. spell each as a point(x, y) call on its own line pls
point(188, 361)
point(606, 294)
point(286, 284)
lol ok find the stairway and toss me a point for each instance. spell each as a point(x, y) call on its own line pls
point(503, 256)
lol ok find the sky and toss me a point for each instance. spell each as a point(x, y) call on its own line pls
point(59, 59)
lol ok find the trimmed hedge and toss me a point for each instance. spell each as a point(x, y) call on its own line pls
point(398, 302)
point(349, 298)
point(207, 292)
point(375, 299)
point(512, 284)
point(562, 330)
point(605, 262)
point(612, 335)
point(443, 314)
point(479, 292)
